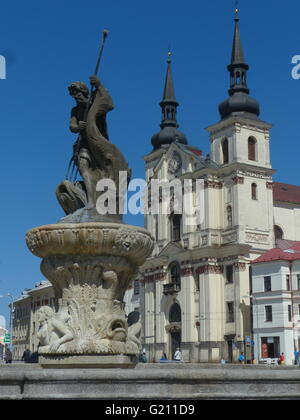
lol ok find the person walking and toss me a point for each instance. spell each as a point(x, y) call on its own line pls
point(26, 356)
point(163, 357)
point(242, 359)
point(143, 357)
point(296, 357)
point(178, 355)
point(8, 355)
point(282, 359)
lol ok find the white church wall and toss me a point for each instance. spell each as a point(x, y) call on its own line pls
point(287, 217)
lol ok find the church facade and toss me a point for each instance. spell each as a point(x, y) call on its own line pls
point(195, 290)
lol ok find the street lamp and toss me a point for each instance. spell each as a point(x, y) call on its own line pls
point(11, 318)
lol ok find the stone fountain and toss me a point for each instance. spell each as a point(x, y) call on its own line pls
point(90, 257)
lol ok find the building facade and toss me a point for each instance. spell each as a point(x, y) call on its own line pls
point(276, 302)
point(3, 331)
point(25, 322)
point(195, 289)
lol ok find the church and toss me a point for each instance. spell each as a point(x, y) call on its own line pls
point(195, 291)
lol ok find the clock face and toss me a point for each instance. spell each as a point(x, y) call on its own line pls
point(175, 163)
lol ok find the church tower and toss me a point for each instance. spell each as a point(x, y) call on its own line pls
point(169, 126)
point(241, 136)
point(195, 289)
point(240, 145)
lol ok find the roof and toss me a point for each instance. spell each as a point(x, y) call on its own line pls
point(286, 193)
point(286, 251)
point(197, 153)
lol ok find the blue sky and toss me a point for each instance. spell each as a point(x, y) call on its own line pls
point(52, 43)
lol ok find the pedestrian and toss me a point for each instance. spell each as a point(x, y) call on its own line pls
point(281, 359)
point(34, 357)
point(178, 355)
point(296, 357)
point(163, 357)
point(142, 357)
point(242, 359)
point(26, 356)
point(8, 355)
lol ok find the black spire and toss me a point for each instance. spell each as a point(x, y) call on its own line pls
point(169, 126)
point(239, 101)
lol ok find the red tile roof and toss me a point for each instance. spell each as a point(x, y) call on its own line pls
point(286, 193)
point(195, 150)
point(287, 251)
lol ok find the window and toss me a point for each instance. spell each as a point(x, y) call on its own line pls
point(175, 274)
point(288, 282)
point(225, 151)
point(278, 232)
point(176, 228)
point(270, 347)
point(229, 216)
point(267, 284)
point(254, 191)
point(290, 313)
point(251, 148)
point(136, 287)
point(269, 313)
point(229, 273)
point(230, 312)
point(298, 281)
point(175, 313)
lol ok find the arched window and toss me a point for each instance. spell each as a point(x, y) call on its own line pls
point(254, 191)
point(278, 232)
point(251, 148)
point(229, 216)
point(175, 313)
point(225, 151)
point(176, 227)
point(175, 274)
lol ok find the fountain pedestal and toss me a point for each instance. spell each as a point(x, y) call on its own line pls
point(90, 265)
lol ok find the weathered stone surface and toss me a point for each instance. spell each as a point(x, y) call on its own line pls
point(91, 239)
point(170, 381)
point(94, 156)
point(90, 265)
point(88, 361)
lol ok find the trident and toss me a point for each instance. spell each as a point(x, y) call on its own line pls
point(89, 103)
point(88, 106)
